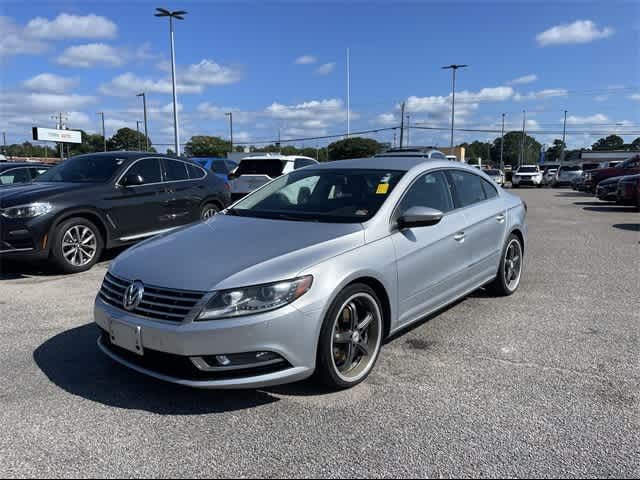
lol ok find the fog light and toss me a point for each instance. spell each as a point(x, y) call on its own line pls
point(234, 361)
point(223, 360)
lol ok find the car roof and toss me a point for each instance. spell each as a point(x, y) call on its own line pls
point(7, 165)
point(277, 156)
point(401, 163)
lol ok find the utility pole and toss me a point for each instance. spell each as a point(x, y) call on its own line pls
point(4, 143)
point(59, 125)
point(402, 125)
point(348, 92)
point(564, 136)
point(408, 130)
point(179, 15)
point(524, 124)
point(138, 122)
point(502, 145)
point(230, 115)
point(144, 107)
point(104, 135)
point(454, 68)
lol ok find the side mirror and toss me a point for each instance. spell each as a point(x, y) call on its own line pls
point(232, 175)
point(132, 180)
point(419, 217)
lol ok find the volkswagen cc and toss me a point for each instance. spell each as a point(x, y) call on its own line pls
point(310, 273)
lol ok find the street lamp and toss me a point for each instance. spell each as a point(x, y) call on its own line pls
point(230, 115)
point(178, 15)
point(144, 108)
point(138, 122)
point(454, 68)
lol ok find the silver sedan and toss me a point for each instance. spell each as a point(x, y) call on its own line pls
point(310, 273)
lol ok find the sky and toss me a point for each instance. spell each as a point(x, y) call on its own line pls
point(280, 67)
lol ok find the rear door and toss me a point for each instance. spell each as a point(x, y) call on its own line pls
point(486, 221)
point(185, 191)
point(139, 210)
point(431, 261)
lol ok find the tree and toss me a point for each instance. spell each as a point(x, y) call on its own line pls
point(555, 151)
point(91, 143)
point(127, 139)
point(612, 142)
point(477, 149)
point(635, 145)
point(354, 147)
point(512, 147)
point(206, 146)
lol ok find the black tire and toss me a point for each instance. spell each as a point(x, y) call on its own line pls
point(499, 286)
point(206, 210)
point(327, 371)
point(58, 249)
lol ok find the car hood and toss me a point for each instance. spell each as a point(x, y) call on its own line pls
point(13, 195)
point(229, 251)
point(611, 180)
point(607, 171)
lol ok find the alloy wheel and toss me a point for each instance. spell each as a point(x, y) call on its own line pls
point(356, 337)
point(79, 245)
point(512, 269)
point(209, 212)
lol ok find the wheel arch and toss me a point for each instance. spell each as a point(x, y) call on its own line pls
point(518, 233)
point(383, 296)
point(87, 214)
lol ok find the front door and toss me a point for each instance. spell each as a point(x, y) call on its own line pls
point(431, 261)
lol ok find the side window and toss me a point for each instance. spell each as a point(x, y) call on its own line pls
point(195, 173)
point(36, 172)
point(218, 166)
point(175, 171)
point(467, 188)
point(16, 175)
point(431, 191)
point(302, 162)
point(438, 156)
point(148, 169)
point(489, 190)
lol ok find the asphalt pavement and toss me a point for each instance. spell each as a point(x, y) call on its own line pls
point(545, 383)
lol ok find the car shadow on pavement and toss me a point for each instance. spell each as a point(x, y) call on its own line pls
point(632, 227)
point(574, 194)
point(611, 209)
point(73, 362)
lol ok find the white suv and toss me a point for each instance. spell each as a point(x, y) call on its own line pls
point(527, 175)
point(256, 171)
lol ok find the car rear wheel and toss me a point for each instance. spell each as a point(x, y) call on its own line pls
point(350, 338)
point(77, 245)
point(209, 210)
point(510, 273)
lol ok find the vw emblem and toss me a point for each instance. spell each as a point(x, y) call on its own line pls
point(133, 295)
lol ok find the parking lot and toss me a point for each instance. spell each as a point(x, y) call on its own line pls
point(542, 383)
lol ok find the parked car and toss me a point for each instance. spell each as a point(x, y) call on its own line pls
point(256, 171)
point(578, 182)
point(629, 190)
point(496, 175)
point(611, 164)
point(310, 274)
point(549, 173)
point(12, 173)
point(71, 213)
point(220, 166)
point(631, 166)
point(607, 190)
point(565, 175)
point(527, 175)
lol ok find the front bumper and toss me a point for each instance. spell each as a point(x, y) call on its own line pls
point(24, 238)
point(287, 332)
point(527, 181)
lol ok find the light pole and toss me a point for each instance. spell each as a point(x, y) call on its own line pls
point(408, 130)
point(502, 145)
point(524, 134)
point(454, 68)
point(178, 15)
point(138, 122)
point(564, 136)
point(144, 108)
point(230, 115)
point(104, 136)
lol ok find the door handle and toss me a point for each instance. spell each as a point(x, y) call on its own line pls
point(500, 218)
point(459, 237)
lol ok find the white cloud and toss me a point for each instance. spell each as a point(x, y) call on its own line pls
point(523, 80)
point(129, 84)
point(66, 26)
point(208, 72)
point(588, 120)
point(542, 94)
point(86, 56)
point(13, 40)
point(493, 94)
point(580, 31)
point(386, 120)
point(306, 60)
point(49, 82)
point(635, 96)
point(601, 98)
point(326, 69)
point(328, 110)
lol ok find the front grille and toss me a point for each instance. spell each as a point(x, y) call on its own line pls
point(180, 367)
point(157, 303)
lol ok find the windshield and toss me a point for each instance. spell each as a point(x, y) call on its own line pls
point(336, 196)
point(270, 167)
point(590, 166)
point(528, 170)
point(84, 169)
point(573, 168)
point(492, 173)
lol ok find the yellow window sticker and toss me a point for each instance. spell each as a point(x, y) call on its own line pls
point(383, 189)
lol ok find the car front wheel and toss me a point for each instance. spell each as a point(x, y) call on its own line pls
point(209, 210)
point(510, 272)
point(350, 338)
point(77, 245)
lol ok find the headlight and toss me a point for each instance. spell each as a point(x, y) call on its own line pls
point(257, 299)
point(27, 211)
